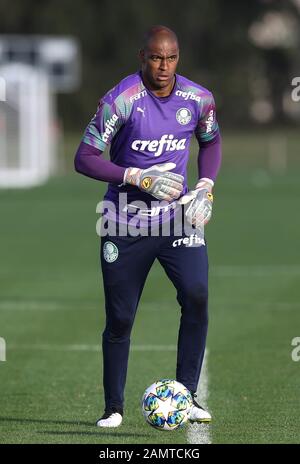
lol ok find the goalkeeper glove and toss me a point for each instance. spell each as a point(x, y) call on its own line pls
point(157, 181)
point(199, 201)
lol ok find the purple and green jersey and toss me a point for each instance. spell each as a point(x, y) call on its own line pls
point(143, 129)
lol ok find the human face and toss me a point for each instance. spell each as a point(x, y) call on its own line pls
point(159, 62)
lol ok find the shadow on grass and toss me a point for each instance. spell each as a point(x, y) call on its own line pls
point(45, 421)
point(98, 433)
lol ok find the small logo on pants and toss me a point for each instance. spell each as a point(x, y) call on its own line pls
point(110, 252)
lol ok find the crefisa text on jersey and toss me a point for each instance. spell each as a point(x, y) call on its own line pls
point(166, 142)
point(188, 95)
point(109, 127)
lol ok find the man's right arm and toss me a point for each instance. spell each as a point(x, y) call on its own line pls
point(89, 159)
point(156, 181)
point(108, 119)
point(90, 162)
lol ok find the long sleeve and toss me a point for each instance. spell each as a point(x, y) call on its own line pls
point(209, 139)
point(90, 162)
point(209, 158)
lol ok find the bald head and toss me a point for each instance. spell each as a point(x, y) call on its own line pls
point(158, 34)
point(159, 57)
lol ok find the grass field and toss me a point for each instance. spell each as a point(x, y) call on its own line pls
point(52, 311)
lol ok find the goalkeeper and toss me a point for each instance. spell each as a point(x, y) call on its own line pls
point(148, 119)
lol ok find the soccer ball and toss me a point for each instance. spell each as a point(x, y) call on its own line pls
point(166, 404)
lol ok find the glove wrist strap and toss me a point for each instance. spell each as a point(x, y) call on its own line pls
point(132, 176)
point(203, 181)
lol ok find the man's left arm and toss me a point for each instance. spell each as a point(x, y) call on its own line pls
point(209, 160)
point(200, 199)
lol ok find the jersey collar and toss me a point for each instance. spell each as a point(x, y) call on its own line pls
point(161, 99)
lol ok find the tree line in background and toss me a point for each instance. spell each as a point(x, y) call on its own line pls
point(245, 52)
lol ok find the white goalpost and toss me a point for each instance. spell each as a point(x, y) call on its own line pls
point(32, 70)
point(27, 152)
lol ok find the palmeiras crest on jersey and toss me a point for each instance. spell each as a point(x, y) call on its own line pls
point(110, 252)
point(183, 116)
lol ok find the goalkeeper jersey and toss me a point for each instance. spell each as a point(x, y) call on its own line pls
point(143, 129)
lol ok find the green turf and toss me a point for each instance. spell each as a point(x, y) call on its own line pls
point(51, 298)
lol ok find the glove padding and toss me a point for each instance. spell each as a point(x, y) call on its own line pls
point(199, 210)
point(157, 181)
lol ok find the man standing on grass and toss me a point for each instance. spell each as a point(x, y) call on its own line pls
point(149, 119)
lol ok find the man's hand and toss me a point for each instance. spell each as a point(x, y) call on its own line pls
point(199, 201)
point(157, 181)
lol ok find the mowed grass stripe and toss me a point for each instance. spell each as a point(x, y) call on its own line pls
point(14, 305)
point(200, 434)
point(49, 347)
point(50, 253)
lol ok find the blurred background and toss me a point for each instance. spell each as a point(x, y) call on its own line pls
point(57, 58)
point(246, 53)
